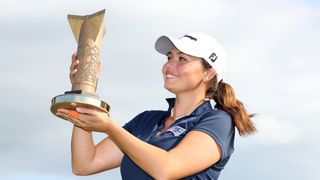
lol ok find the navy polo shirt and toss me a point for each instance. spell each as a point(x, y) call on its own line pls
point(216, 123)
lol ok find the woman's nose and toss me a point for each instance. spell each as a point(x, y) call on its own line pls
point(169, 64)
point(172, 62)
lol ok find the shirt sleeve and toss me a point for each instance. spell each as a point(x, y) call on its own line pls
point(220, 127)
point(132, 125)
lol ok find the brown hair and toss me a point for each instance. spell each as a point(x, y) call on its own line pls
point(224, 96)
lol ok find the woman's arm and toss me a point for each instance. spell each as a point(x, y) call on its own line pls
point(197, 151)
point(88, 158)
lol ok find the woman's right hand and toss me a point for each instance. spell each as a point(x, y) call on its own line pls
point(73, 66)
point(74, 63)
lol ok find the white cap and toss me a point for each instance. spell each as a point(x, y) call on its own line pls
point(198, 45)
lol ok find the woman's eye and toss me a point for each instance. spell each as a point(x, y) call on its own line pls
point(182, 59)
point(178, 59)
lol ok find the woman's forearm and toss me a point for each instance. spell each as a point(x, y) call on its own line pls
point(82, 149)
point(151, 159)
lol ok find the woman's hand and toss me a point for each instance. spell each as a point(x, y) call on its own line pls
point(73, 67)
point(74, 63)
point(87, 119)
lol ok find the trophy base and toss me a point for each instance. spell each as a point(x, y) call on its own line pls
point(73, 99)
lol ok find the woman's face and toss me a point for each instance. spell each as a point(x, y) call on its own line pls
point(183, 73)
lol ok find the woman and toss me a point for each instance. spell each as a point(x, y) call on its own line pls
point(190, 140)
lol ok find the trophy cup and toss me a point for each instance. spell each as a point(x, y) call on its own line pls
point(88, 31)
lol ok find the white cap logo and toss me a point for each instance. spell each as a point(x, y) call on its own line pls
point(192, 38)
point(213, 57)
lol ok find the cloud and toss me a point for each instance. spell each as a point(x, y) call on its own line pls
point(19, 10)
point(272, 131)
point(29, 175)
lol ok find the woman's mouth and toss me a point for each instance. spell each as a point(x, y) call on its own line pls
point(171, 76)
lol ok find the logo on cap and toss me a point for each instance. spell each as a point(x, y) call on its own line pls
point(192, 38)
point(213, 57)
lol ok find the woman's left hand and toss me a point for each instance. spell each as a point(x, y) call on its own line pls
point(88, 119)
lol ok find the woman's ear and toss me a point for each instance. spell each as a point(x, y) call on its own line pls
point(209, 74)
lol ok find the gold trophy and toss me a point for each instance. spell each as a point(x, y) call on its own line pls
point(88, 31)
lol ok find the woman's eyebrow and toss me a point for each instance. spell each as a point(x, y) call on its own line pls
point(183, 54)
point(179, 53)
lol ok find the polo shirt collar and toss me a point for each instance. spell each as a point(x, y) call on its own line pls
point(204, 107)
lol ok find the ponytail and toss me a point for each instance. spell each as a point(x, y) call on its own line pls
point(224, 96)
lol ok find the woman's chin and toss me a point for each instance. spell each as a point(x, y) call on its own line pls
point(169, 88)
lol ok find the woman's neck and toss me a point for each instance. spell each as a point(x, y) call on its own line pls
point(186, 104)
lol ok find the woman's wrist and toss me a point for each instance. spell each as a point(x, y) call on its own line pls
point(109, 125)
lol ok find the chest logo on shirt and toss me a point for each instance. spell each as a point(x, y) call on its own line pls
point(176, 130)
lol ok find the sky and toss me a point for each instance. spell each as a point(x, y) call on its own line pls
point(273, 65)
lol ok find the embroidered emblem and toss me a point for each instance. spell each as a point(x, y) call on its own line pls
point(213, 57)
point(176, 130)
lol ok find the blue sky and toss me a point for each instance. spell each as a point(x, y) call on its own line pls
point(273, 65)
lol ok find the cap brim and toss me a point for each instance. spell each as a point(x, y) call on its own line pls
point(165, 44)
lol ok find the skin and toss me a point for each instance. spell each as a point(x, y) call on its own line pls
point(185, 77)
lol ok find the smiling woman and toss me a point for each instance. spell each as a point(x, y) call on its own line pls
point(182, 72)
point(190, 140)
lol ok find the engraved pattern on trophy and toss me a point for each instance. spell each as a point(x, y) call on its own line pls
point(88, 66)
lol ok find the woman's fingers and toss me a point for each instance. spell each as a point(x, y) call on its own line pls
point(73, 69)
point(87, 111)
point(86, 118)
point(74, 56)
point(74, 63)
point(63, 111)
point(70, 115)
point(80, 113)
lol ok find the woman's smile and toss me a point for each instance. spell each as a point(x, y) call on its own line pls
point(171, 76)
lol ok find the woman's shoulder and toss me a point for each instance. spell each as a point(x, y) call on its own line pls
point(152, 114)
point(148, 116)
point(216, 120)
point(216, 114)
point(144, 120)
